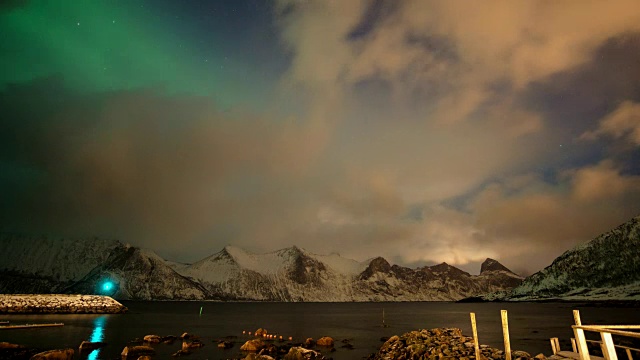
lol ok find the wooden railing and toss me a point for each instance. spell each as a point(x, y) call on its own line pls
point(579, 344)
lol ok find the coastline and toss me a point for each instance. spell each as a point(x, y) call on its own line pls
point(59, 304)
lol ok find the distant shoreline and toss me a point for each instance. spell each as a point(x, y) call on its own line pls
point(59, 304)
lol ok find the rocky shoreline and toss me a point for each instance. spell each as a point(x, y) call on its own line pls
point(59, 304)
point(441, 344)
point(433, 344)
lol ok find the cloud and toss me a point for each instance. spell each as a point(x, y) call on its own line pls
point(624, 122)
point(422, 131)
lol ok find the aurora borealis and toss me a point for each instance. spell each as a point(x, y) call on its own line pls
point(421, 131)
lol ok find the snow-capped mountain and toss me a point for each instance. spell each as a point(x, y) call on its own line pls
point(293, 274)
point(44, 265)
point(607, 267)
point(54, 265)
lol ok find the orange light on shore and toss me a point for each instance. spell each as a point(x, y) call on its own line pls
point(244, 332)
point(290, 338)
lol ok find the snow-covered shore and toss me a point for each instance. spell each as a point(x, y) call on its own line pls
point(59, 304)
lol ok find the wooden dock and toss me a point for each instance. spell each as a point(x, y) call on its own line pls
point(29, 326)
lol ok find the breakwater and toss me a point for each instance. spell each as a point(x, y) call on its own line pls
point(59, 304)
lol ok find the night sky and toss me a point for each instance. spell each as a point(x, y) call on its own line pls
point(422, 131)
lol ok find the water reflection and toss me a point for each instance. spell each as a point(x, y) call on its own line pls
point(97, 335)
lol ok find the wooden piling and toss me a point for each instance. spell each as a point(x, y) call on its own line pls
point(475, 335)
point(609, 349)
point(505, 334)
point(580, 339)
point(554, 347)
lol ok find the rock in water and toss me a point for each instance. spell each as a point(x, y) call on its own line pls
point(63, 354)
point(300, 353)
point(131, 352)
point(325, 341)
point(154, 339)
point(252, 345)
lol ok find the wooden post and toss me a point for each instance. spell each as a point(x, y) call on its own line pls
point(609, 349)
point(629, 354)
point(505, 334)
point(580, 339)
point(554, 349)
point(574, 348)
point(475, 335)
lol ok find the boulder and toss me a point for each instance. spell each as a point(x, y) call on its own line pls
point(169, 339)
point(325, 341)
point(186, 336)
point(252, 345)
point(154, 339)
point(520, 354)
point(131, 352)
point(225, 345)
point(181, 353)
point(300, 353)
point(309, 342)
point(144, 357)
point(90, 346)
point(253, 356)
point(261, 332)
point(193, 344)
point(61, 354)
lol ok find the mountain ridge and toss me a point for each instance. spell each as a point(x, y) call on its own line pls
point(233, 273)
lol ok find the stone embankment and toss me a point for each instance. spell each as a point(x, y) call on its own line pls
point(59, 304)
point(440, 344)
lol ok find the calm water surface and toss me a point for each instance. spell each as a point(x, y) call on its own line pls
point(531, 324)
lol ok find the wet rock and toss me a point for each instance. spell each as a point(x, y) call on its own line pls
point(309, 342)
point(144, 357)
point(253, 356)
point(131, 352)
point(325, 341)
point(252, 345)
point(299, 353)
point(90, 346)
point(225, 344)
point(540, 357)
point(169, 339)
point(61, 354)
point(520, 354)
point(186, 336)
point(181, 353)
point(192, 344)
point(347, 346)
point(153, 339)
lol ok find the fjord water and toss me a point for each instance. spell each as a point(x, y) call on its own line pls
point(530, 324)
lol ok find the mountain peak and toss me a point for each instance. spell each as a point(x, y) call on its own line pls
point(446, 268)
point(492, 265)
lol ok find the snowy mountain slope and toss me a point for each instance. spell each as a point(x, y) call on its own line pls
point(293, 274)
point(139, 274)
point(54, 265)
point(605, 267)
point(55, 258)
point(42, 265)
